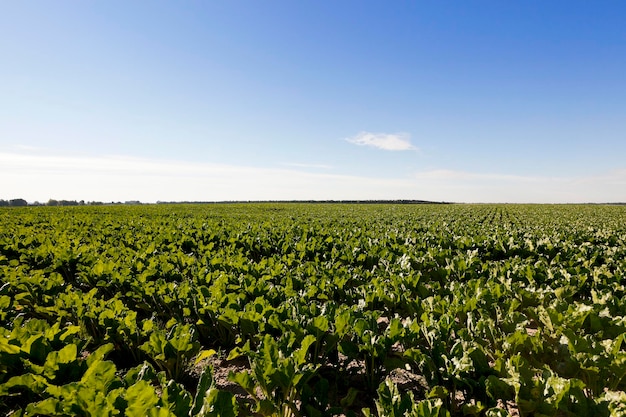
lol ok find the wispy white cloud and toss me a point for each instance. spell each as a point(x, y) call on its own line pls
point(38, 177)
point(28, 148)
point(506, 188)
point(314, 166)
point(385, 141)
point(453, 175)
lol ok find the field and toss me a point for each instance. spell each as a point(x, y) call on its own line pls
point(313, 310)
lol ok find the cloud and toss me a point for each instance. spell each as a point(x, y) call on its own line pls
point(385, 141)
point(463, 186)
point(314, 166)
point(38, 177)
point(452, 175)
point(29, 148)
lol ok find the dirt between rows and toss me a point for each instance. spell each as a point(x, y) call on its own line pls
point(405, 380)
point(355, 376)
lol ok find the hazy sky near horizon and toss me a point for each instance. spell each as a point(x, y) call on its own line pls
point(474, 101)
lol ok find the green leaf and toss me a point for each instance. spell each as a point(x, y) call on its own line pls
point(143, 372)
point(496, 412)
point(204, 355)
point(69, 331)
point(300, 354)
point(266, 408)
point(498, 389)
point(54, 359)
point(321, 324)
point(36, 347)
point(204, 384)
point(472, 409)
point(34, 383)
point(395, 329)
point(245, 380)
point(100, 375)
point(430, 408)
point(237, 351)
point(47, 407)
point(176, 398)
point(141, 398)
point(99, 354)
point(438, 392)
point(342, 322)
point(352, 395)
point(6, 347)
point(160, 412)
point(219, 403)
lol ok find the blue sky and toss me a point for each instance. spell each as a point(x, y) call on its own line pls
point(475, 101)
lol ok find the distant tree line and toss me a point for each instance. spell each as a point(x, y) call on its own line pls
point(20, 202)
point(308, 202)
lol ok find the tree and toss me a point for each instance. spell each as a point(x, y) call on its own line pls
point(18, 202)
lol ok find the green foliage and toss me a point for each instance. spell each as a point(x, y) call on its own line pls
point(391, 403)
point(172, 350)
point(125, 310)
point(279, 371)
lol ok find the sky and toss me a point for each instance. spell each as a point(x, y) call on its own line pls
point(221, 100)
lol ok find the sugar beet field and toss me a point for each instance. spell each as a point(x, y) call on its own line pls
point(313, 310)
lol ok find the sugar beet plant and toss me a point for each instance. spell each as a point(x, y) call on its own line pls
point(313, 310)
